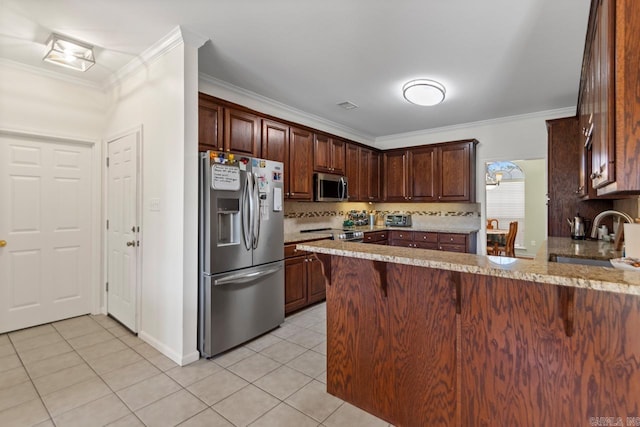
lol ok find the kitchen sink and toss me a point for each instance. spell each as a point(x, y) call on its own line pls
point(581, 261)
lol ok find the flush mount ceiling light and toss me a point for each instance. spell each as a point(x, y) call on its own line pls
point(69, 53)
point(423, 92)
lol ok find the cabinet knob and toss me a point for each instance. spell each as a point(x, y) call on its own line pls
point(409, 198)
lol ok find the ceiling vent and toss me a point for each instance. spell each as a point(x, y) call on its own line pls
point(348, 105)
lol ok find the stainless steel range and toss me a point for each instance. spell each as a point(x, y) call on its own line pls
point(339, 234)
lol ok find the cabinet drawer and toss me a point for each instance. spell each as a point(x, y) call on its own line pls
point(403, 243)
point(426, 245)
point(453, 248)
point(455, 239)
point(421, 236)
point(401, 235)
point(375, 236)
point(291, 251)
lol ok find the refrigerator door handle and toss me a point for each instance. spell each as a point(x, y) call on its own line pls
point(247, 204)
point(256, 211)
point(246, 277)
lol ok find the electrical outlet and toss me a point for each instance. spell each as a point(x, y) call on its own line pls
point(533, 243)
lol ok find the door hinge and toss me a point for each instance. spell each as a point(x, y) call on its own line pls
point(107, 224)
point(107, 286)
point(107, 162)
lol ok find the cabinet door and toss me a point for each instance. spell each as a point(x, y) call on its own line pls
point(210, 118)
point(365, 160)
point(275, 146)
point(422, 175)
point(455, 172)
point(603, 103)
point(316, 286)
point(373, 193)
point(353, 171)
point(301, 164)
point(394, 176)
point(322, 153)
point(338, 156)
point(241, 132)
point(295, 283)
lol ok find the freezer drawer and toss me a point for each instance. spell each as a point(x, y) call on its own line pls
point(238, 306)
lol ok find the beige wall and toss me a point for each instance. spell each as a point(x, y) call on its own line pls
point(535, 229)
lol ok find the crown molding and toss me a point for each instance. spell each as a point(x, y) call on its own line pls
point(174, 38)
point(43, 72)
point(193, 39)
point(310, 119)
point(546, 114)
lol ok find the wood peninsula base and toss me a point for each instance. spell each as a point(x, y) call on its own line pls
point(421, 346)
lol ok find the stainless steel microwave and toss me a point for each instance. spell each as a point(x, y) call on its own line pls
point(330, 188)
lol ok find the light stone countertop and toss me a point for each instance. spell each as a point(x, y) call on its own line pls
point(537, 270)
point(295, 237)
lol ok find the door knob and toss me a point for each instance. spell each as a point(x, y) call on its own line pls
point(131, 243)
point(3, 243)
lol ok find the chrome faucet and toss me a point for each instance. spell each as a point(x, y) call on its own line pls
point(598, 218)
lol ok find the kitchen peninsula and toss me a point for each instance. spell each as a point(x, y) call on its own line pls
point(420, 337)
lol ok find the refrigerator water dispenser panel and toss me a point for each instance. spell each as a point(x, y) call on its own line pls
point(228, 222)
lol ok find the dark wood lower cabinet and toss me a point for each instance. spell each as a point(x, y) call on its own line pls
point(304, 283)
point(418, 346)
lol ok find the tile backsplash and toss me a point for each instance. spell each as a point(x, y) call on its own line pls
point(308, 215)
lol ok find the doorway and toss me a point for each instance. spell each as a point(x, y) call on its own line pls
point(515, 190)
point(123, 228)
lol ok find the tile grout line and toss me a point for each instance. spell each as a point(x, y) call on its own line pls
point(32, 383)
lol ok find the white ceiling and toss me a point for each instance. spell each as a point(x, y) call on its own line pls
point(497, 58)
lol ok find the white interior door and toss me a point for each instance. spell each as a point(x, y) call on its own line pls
point(45, 220)
point(123, 229)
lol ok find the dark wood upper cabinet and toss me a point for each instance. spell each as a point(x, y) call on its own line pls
point(328, 154)
point(569, 191)
point(375, 163)
point(608, 103)
point(275, 146)
point(396, 172)
point(438, 172)
point(300, 164)
point(369, 175)
point(241, 132)
point(352, 171)
point(210, 124)
point(456, 175)
point(422, 174)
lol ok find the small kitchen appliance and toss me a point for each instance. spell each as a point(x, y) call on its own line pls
point(397, 220)
point(577, 225)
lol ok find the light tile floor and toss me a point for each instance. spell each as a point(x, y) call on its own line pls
point(90, 371)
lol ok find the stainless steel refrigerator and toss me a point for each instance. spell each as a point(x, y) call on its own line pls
point(241, 250)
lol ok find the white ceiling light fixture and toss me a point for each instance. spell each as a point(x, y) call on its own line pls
point(69, 53)
point(423, 92)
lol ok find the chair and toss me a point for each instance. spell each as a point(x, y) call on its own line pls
point(509, 247)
